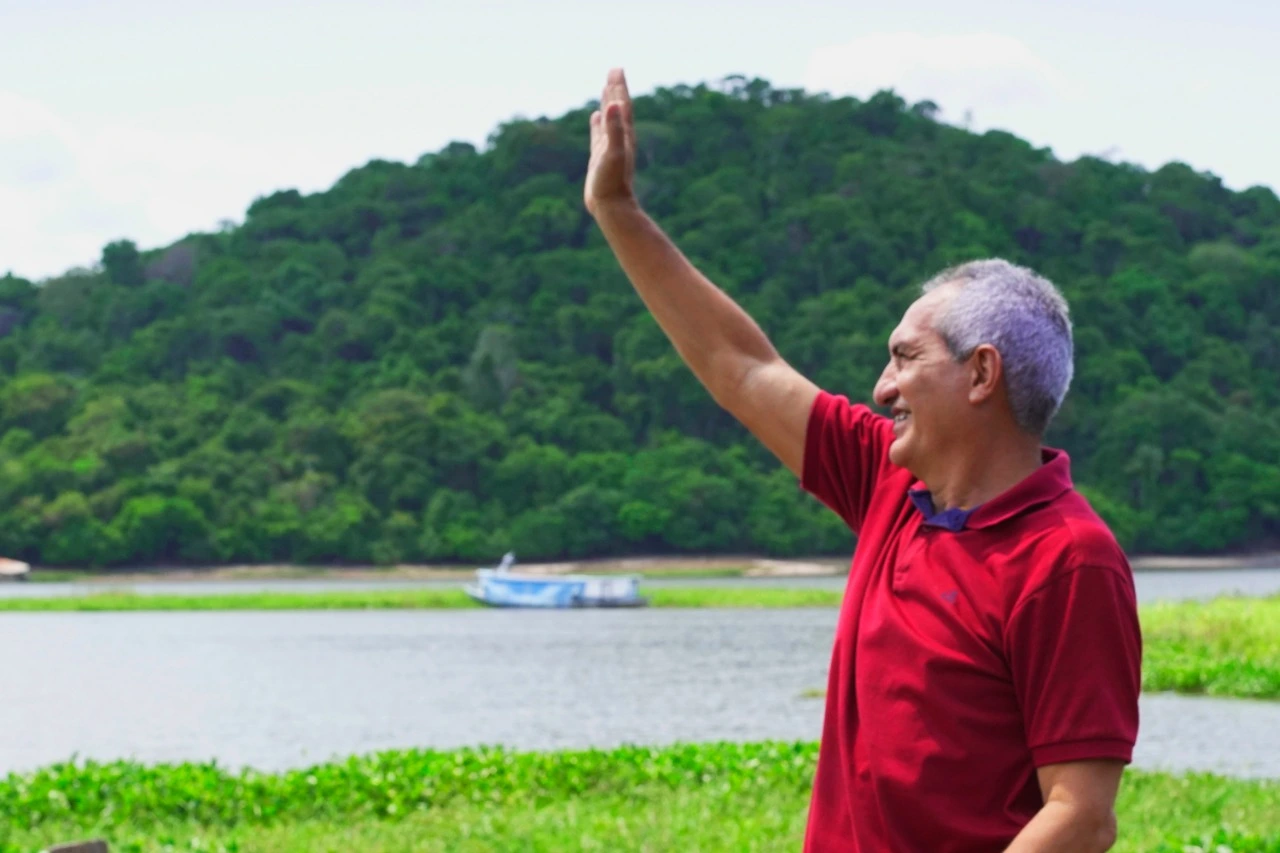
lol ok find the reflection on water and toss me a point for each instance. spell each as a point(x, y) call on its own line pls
point(276, 690)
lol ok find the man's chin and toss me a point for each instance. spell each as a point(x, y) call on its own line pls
point(900, 452)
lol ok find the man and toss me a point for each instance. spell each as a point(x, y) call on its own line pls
point(983, 692)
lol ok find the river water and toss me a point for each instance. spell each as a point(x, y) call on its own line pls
point(277, 690)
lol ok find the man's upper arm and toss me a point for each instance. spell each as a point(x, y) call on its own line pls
point(1086, 791)
point(1079, 809)
point(1088, 785)
point(837, 449)
point(774, 401)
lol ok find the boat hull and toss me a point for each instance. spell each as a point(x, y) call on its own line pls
point(501, 589)
point(13, 570)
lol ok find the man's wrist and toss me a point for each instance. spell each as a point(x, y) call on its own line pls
point(620, 208)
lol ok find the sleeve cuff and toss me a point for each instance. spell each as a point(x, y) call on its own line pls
point(1082, 750)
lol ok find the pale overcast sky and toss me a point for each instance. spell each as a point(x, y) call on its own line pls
point(148, 119)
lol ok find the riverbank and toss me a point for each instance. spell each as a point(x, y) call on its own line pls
point(710, 797)
point(648, 567)
point(394, 599)
point(652, 568)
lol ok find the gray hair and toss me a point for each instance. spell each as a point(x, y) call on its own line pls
point(1026, 319)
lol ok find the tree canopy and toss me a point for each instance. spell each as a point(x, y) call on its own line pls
point(442, 361)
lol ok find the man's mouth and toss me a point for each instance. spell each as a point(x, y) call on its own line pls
point(900, 419)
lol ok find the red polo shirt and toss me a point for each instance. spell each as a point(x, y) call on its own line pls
point(963, 659)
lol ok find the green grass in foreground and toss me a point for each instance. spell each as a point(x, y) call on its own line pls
point(707, 797)
point(1225, 647)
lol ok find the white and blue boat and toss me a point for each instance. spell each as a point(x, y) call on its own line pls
point(14, 570)
point(501, 587)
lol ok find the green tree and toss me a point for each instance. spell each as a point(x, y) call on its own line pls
point(122, 264)
point(442, 360)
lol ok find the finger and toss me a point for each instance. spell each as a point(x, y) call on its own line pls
point(614, 127)
point(618, 85)
point(616, 92)
point(629, 123)
point(596, 128)
point(615, 88)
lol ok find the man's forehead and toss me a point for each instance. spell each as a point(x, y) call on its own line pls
point(917, 320)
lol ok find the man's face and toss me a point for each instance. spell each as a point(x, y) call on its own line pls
point(924, 387)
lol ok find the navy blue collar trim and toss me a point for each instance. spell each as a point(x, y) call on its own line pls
point(953, 519)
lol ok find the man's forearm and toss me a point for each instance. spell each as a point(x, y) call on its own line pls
point(1061, 828)
point(715, 337)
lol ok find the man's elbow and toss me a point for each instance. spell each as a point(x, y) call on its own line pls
point(1102, 830)
point(729, 381)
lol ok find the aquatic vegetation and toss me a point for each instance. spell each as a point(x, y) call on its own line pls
point(1224, 647)
point(711, 797)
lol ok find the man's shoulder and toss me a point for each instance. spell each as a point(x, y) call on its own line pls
point(1056, 540)
point(839, 430)
point(1069, 537)
point(1084, 538)
point(840, 411)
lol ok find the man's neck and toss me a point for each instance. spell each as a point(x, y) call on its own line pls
point(976, 474)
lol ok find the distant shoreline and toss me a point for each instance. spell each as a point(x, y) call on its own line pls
point(1167, 562)
point(693, 566)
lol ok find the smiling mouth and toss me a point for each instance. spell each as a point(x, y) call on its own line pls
point(900, 420)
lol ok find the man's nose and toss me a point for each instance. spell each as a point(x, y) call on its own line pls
point(886, 390)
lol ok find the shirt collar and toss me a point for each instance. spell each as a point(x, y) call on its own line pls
point(949, 519)
point(1043, 485)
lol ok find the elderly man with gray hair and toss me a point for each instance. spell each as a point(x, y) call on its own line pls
point(983, 689)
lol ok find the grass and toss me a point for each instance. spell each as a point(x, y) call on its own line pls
point(706, 797)
point(396, 599)
point(1225, 647)
point(389, 599)
point(58, 576)
point(747, 597)
point(693, 573)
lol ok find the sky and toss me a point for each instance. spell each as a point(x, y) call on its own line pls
point(150, 119)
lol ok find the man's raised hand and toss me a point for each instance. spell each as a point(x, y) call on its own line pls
point(613, 145)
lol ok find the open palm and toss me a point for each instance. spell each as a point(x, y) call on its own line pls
point(613, 136)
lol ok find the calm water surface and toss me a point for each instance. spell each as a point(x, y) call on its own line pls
point(276, 690)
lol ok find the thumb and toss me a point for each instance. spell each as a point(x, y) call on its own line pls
point(613, 126)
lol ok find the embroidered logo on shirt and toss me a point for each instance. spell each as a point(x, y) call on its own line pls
point(950, 596)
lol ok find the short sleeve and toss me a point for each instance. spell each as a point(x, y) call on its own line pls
point(845, 453)
point(1075, 652)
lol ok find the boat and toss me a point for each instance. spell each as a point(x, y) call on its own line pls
point(501, 587)
point(14, 570)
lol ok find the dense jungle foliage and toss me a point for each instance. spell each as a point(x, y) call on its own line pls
point(441, 360)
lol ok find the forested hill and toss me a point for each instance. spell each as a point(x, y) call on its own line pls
point(441, 361)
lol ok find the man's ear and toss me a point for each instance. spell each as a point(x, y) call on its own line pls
point(985, 369)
